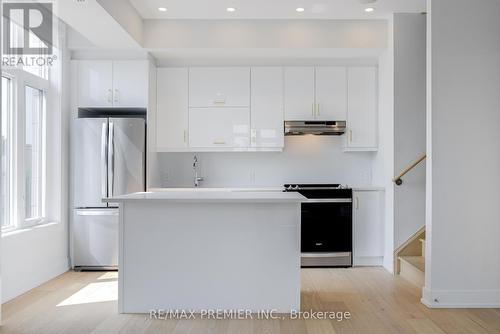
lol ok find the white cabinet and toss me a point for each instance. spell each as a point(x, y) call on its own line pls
point(172, 111)
point(368, 227)
point(95, 83)
point(316, 93)
point(266, 128)
point(362, 116)
point(106, 83)
point(299, 93)
point(219, 127)
point(130, 83)
point(331, 93)
point(219, 87)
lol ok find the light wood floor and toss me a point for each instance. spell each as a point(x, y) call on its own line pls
point(379, 303)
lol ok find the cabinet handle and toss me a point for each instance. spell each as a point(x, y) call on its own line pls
point(318, 110)
point(312, 110)
point(350, 135)
point(115, 96)
point(110, 92)
point(219, 142)
point(357, 203)
point(185, 136)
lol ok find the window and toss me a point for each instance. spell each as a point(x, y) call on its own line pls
point(34, 154)
point(6, 152)
point(23, 159)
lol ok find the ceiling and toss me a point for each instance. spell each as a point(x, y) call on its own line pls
point(274, 9)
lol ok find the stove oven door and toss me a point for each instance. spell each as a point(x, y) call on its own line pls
point(326, 227)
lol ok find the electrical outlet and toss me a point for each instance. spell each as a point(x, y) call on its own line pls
point(164, 179)
point(252, 177)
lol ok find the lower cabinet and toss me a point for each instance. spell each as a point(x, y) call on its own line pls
point(222, 127)
point(368, 226)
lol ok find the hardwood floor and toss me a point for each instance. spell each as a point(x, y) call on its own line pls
point(377, 301)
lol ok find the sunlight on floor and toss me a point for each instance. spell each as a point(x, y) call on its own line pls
point(93, 293)
point(109, 275)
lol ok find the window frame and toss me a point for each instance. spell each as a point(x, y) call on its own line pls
point(42, 163)
point(9, 157)
point(19, 80)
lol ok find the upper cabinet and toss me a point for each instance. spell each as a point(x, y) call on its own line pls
point(331, 93)
point(172, 110)
point(95, 83)
point(266, 128)
point(106, 83)
point(130, 83)
point(219, 127)
point(243, 108)
point(219, 87)
point(362, 118)
point(299, 93)
point(315, 93)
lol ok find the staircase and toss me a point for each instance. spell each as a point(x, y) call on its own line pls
point(410, 259)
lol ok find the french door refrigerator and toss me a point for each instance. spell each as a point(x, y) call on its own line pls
point(108, 156)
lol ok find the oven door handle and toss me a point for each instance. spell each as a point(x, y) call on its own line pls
point(328, 200)
point(330, 254)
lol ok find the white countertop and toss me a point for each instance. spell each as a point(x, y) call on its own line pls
point(261, 189)
point(368, 188)
point(203, 189)
point(217, 196)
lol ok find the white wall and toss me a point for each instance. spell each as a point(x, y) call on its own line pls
point(463, 184)
point(409, 123)
point(126, 15)
point(30, 257)
point(304, 159)
point(249, 34)
point(383, 164)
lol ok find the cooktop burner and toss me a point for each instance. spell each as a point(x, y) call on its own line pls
point(315, 190)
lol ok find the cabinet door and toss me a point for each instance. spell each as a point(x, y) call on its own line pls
point(172, 112)
point(219, 87)
point(130, 83)
point(95, 83)
point(362, 108)
point(368, 224)
point(331, 93)
point(299, 93)
point(219, 127)
point(267, 107)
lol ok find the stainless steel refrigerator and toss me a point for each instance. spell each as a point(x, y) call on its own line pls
point(108, 159)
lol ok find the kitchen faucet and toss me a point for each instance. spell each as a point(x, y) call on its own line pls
point(197, 179)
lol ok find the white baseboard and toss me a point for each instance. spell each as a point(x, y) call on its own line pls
point(51, 271)
point(368, 261)
point(461, 298)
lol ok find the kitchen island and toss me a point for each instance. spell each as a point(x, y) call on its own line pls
point(209, 250)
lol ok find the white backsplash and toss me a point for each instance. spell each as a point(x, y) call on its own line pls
point(305, 159)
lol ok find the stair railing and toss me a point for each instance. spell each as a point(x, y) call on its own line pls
point(398, 179)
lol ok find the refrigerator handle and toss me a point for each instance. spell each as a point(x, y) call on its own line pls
point(104, 161)
point(111, 159)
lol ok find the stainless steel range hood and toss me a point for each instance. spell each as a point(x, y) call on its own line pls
point(325, 128)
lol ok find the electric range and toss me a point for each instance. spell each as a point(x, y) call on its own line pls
point(326, 224)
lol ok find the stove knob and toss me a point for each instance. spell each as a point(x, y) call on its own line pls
point(295, 187)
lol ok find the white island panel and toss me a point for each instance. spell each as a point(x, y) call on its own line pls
point(199, 255)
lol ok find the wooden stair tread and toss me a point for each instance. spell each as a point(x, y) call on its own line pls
point(416, 261)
